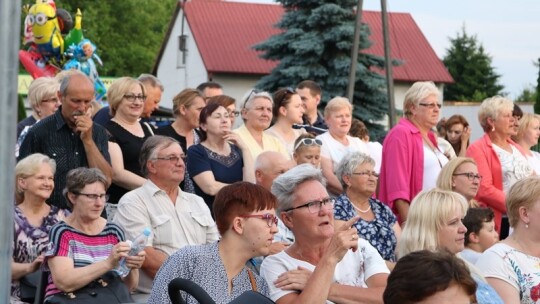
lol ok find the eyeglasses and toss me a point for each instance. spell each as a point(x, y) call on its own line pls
point(234, 113)
point(39, 19)
point(471, 176)
point(367, 173)
point(172, 158)
point(53, 100)
point(253, 91)
point(430, 105)
point(316, 206)
point(133, 97)
point(308, 142)
point(269, 218)
point(93, 196)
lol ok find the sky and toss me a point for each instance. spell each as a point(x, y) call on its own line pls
point(509, 31)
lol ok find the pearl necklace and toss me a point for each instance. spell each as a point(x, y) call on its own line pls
point(360, 210)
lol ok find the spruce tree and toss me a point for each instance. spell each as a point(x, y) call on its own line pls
point(471, 67)
point(315, 43)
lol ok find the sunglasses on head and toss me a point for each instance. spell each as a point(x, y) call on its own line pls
point(308, 142)
point(253, 92)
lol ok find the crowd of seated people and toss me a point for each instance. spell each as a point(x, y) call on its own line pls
point(292, 204)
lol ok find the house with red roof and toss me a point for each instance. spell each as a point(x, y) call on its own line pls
point(213, 39)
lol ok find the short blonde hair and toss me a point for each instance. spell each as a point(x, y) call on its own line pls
point(40, 89)
point(524, 124)
point(491, 107)
point(524, 193)
point(428, 213)
point(444, 181)
point(185, 98)
point(119, 88)
point(337, 103)
point(419, 91)
point(27, 167)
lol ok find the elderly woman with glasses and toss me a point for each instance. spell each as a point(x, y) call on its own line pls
point(43, 98)
point(337, 142)
point(221, 158)
point(500, 161)
point(257, 116)
point(461, 175)
point(325, 262)
point(411, 159)
point(307, 149)
point(85, 246)
point(288, 110)
point(246, 220)
point(127, 133)
point(377, 224)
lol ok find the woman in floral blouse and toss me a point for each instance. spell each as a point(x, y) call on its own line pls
point(377, 224)
point(33, 217)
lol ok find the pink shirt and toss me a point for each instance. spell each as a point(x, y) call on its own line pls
point(402, 167)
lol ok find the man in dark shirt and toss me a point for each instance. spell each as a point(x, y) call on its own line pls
point(69, 136)
point(311, 93)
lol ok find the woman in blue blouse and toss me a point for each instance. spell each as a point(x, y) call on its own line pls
point(377, 224)
point(221, 158)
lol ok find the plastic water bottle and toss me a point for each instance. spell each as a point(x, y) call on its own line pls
point(137, 245)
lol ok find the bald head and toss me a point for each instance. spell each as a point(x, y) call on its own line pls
point(268, 166)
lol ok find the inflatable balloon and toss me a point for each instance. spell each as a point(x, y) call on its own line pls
point(49, 51)
point(82, 59)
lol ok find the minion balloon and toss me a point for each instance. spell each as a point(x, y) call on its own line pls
point(46, 30)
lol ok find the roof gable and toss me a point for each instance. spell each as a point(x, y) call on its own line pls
point(226, 31)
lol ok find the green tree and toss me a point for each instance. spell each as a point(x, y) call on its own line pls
point(528, 94)
point(315, 43)
point(471, 67)
point(128, 34)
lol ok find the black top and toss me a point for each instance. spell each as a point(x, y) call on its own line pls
point(54, 138)
point(131, 147)
point(28, 121)
point(317, 128)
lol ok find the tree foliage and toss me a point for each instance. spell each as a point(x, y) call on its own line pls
point(315, 43)
point(471, 67)
point(128, 34)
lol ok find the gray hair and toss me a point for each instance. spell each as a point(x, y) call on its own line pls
point(285, 185)
point(152, 145)
point(78, 178)
point(30, 166)
point(491, 107)
point(64, 83)
point(151, 80)
point(419, 91)
point(40, 89)
point(349, 163)
point(252, 95)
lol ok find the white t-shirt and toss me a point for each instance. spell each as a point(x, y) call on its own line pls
point(514, 267)
point(534, 161)
point(514, 166)
point(353, 270)
point(375, 151)
point(434, 160)
point(334, 150)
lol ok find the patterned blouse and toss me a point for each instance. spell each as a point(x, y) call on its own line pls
point(28, 241)
point(202, 265)
point(378, 232)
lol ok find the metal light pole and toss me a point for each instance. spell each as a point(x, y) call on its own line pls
point(354, 52)
point(10, 14)
point(388, 67)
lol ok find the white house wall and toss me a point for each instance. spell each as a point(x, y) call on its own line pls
point(174, 75)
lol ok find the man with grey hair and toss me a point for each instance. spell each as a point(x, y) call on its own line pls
point(176, 218)
point(325, 263)
point(154, 90)
point(69, 136)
